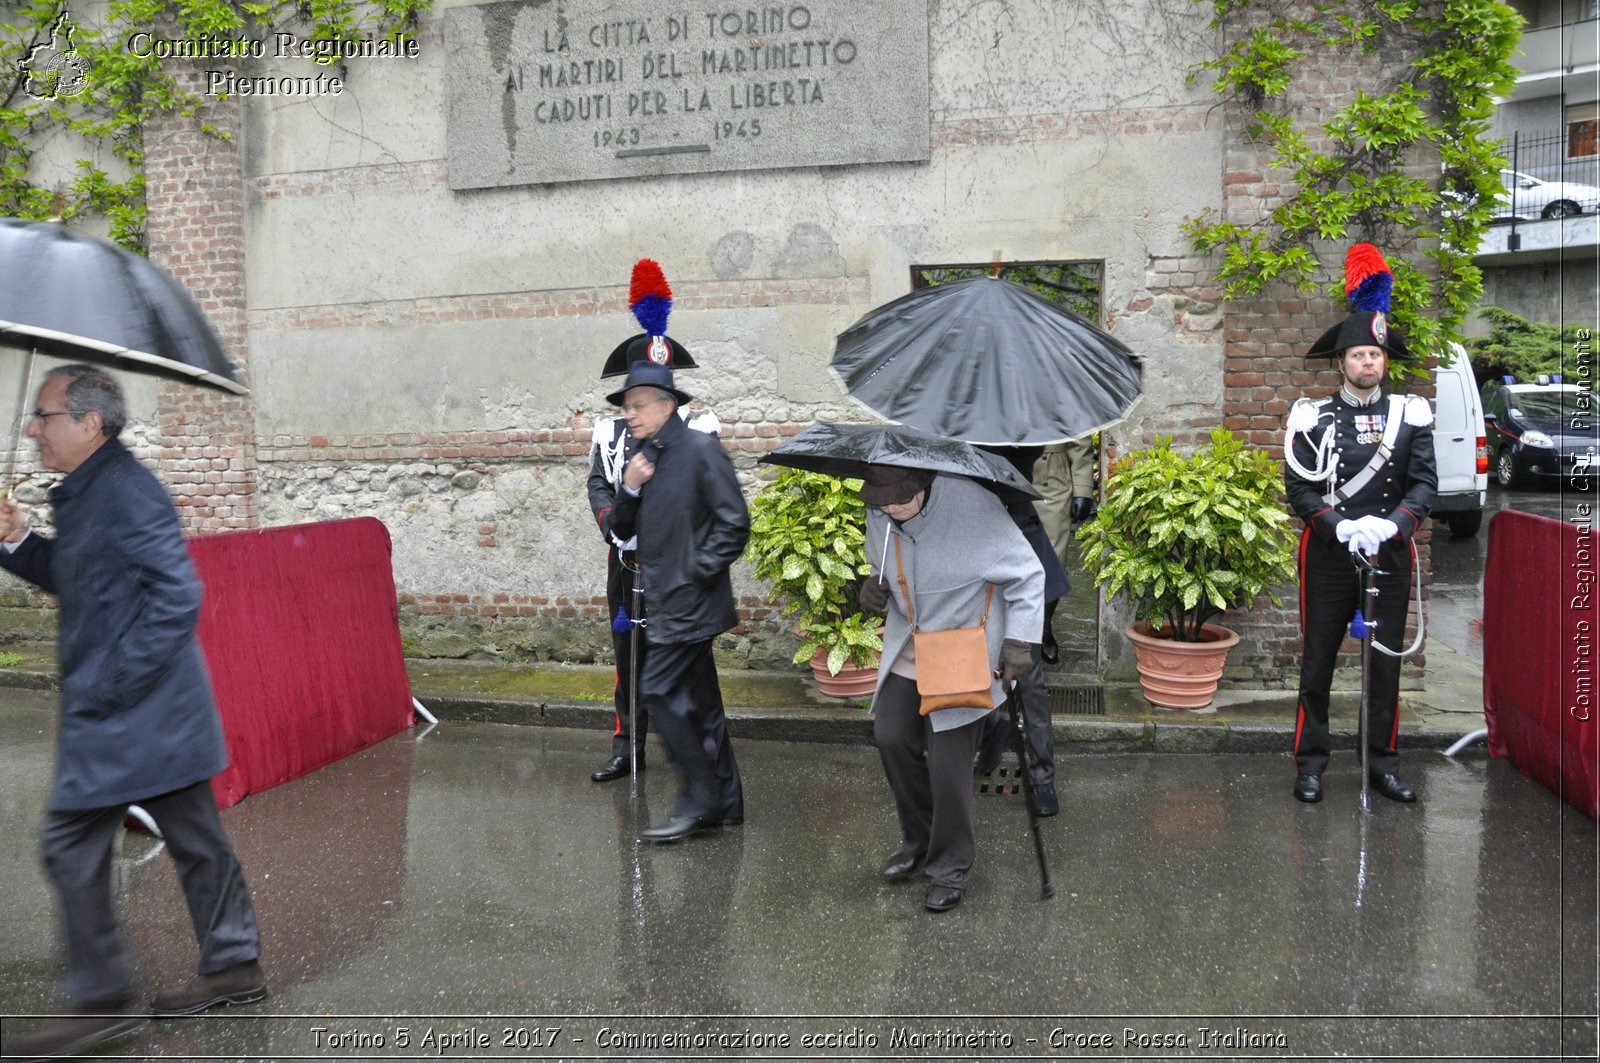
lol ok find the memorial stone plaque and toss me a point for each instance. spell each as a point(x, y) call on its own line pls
point(542, 91)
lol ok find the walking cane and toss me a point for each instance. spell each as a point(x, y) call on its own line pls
point(1019, 741)
point(1362, 628)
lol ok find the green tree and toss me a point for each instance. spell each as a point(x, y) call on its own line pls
point(80, 79)
point(1407, 163)
point(1521, 347)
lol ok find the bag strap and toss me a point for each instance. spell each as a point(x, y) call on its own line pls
point(904, 590)
point(901, 572)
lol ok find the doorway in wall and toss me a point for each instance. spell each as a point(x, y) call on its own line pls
point(1075, 678)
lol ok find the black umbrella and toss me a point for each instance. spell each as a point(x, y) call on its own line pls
point(845, 450)
point(987, 361)
point(72, 295)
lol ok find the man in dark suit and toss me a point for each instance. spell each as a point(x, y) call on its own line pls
point(681, 498)
point(138, 723)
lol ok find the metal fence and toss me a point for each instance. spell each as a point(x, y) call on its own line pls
point(1561, 155)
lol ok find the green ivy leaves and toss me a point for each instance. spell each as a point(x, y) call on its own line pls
point(123, 89)
point(1367, 171)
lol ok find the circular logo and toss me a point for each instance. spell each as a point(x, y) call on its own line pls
point(1380, 329)
point(659, 352)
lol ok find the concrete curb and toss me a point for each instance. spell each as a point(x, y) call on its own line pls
point(1124, 730)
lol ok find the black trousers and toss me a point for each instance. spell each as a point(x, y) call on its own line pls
point(930, 775)
point(76, 847)
point(619, 595)
point(678, 687)
point(1330, 593)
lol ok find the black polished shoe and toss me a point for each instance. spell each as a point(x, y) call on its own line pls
point(1390, 786)
point(902, 865)
point(615, 768)
point(680, 827)
point(1050, 653)
point(1308, 788)
point(1045, 804)
point(942, 898)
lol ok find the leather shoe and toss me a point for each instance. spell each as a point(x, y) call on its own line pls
point(1050, 651)
point(902, 865)
point(942, 898)
point(1308, 788)
point(83, 1028)
point(1390, 786)
point(615, 768)
point(242, 983)
point(679, 827)
point(1045, 804)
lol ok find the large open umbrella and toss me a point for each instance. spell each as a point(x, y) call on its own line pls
point(68, 294)
point(72, 295)
point(847, 449)
point(987, 361)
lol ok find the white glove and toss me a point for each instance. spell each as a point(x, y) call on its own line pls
point(1344, 530)
point(1363, 541)
point(1384, 528)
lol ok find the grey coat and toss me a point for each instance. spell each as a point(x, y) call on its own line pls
point(959, 543)
point(137, 715)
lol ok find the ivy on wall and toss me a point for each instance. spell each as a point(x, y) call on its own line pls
point(1408, 162)
point(60, 77)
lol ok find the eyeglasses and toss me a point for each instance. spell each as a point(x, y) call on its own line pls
point(635, 407)
point(45, 415)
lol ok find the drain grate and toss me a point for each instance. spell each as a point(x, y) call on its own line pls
point(1006, 779)
point(1078, 701)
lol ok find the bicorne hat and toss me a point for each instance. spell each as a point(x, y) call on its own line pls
point(648, 374)
point(650, 299)
point(1368, 285)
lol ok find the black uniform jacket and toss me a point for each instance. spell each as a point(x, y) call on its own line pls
point(1402, 491)
point(692, 524)
point(137, 715)
point(602, 492)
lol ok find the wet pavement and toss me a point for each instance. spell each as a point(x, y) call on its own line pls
point(474, 889)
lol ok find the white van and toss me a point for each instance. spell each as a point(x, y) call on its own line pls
point(1459, 445)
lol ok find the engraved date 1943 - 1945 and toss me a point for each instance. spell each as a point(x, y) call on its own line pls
point(628, 137)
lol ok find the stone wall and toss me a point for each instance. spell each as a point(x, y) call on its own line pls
point(430, 356)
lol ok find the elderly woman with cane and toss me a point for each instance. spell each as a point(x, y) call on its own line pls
point(958, 580)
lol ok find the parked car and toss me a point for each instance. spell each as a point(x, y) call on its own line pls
point(1540, 430)
point(1460, 445)
point(1525, 196)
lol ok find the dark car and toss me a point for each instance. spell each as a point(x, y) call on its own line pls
point(1540, 430)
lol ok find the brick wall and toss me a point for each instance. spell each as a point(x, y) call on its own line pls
point(195, 196)
point(1266, 337)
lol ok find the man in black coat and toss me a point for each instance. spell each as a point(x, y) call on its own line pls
point(681, 498)
point(138, 724)
point(1360, 473)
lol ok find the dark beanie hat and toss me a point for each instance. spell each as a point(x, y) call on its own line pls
point(891, 485)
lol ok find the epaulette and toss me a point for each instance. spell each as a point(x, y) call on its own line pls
point(1304, 414)
point(1419, 414)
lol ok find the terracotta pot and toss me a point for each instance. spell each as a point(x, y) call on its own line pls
point(849, 683)
point(1180, 675)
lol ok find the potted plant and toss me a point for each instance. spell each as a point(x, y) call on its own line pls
point(808, 539)
point(1185, 537)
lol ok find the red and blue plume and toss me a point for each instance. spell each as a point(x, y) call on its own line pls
point(1367, 280)
point(649, 297)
